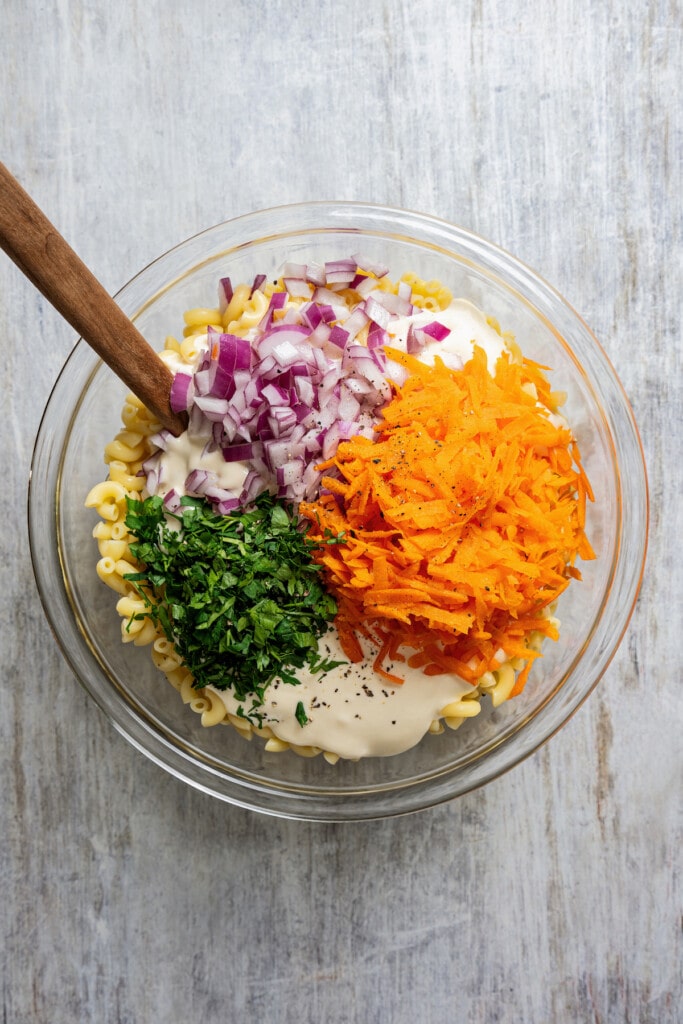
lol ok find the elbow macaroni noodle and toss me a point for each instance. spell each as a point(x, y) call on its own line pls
point(125, 455)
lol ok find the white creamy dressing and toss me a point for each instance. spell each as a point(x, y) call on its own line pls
point(352, 711)
point(186, 453)
point(467, 324)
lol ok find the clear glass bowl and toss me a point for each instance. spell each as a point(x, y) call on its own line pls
point(83, 414)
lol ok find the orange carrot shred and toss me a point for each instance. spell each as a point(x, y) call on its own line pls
point(462, 519)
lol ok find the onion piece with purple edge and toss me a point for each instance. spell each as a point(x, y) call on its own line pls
point(377, 337)
point(338, 336)
point(295, 270)
point(224, 294)
point(315, 274)
point(365, 286)
point(297, 288)
point(161, 439)
point(172, 500)
point(436, 330)
point(340, 271)
point(182, 392)
point(242, 452)
point(394, 304)
point(230, 505)
point(376, 312)
point(371, 266)
point(311, 314)
point(213, 408)
point(290, 472)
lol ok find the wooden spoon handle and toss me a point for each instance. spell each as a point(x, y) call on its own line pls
point(37, 248)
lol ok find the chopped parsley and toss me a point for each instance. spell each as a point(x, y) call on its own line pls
point(239, 595)
point(300, 713)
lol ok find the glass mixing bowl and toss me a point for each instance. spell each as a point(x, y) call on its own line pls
point(83, 414)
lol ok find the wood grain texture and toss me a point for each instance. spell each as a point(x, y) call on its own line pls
point(49, 262)
point(554, 894)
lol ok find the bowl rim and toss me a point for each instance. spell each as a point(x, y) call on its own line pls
point(353, 210)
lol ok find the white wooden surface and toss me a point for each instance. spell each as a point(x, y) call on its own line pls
point(553, 128)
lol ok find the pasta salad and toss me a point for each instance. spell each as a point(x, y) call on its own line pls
point(366, 526)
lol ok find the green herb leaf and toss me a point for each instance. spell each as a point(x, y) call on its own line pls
point(301, 716)
point(239, 595)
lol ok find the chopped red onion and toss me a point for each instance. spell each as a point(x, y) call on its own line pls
point(358, 386)
point(213, 408)
point(343, 266)
point(197, 480)
point(161, 439)
point(377, 337)
point(258, 281)
point(355, 323)
point(224, 294)
point(311, 314)
point(377, 312)
point(229, 505)
point(315, 274)
point(394, 304)
point(338, 336)
point(276, 453)
point(452, 360)
point(182, 392)
point(198, 425)
point(349, 406)
point(321, 335)
point(396, 372)
point(290, 473)
point(436, 330)
point(295, 270)
point(285, 418)
point(153, 478)
point(172, 500)
point(365, 263)
point(285, 351)
point(202, 383)
point(331, 442)
point(305, 391)
point(241, 452)
point(279, 333)
point(413, 344)
point(215, 493)
point(297, 288)
point(325, 296)
point(283, 399)
point(420, 338)
point(366, 285)
point(274, 395)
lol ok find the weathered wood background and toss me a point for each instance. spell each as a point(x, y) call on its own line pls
point(552, 128)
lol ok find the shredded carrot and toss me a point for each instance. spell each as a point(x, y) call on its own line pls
point(462, 519)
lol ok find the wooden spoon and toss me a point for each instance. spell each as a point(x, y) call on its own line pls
point(37, 248)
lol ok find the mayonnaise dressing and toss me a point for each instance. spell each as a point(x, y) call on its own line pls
point(351, 710)
point(468, 326)
point(185, 453)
